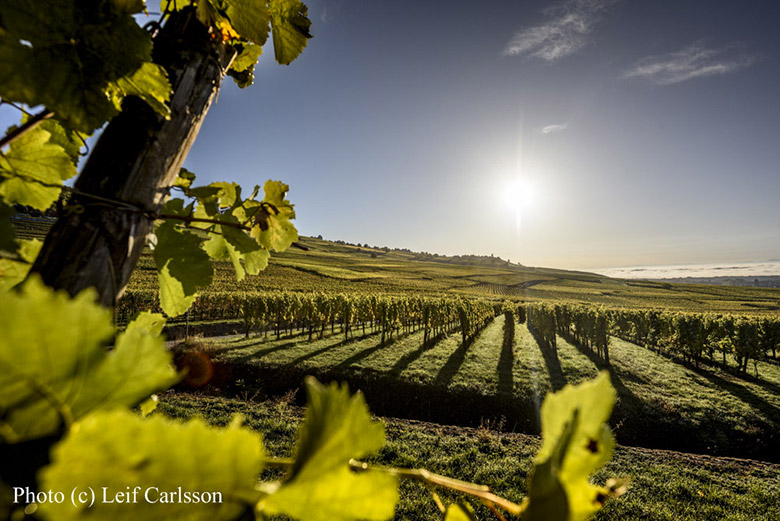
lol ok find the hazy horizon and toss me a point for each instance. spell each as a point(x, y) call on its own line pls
point(579, 134)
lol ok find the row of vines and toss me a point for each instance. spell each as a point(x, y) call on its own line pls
point(315, 313)
point(693, 337)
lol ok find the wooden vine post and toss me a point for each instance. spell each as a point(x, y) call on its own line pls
point(97, 243)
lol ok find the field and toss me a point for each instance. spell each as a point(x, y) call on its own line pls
point(699, 440)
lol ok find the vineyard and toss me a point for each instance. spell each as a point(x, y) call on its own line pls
point(181, 341)
point(478, 348)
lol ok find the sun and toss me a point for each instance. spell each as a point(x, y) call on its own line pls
point(519, 195)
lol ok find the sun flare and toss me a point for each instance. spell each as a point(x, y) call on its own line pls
point(519, 195)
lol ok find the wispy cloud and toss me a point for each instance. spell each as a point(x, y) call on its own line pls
point(549, 129)
point(694, 61)
point(565, 33)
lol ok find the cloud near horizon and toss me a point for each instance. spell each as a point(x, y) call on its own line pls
point(566, 33)
point(694, 61)
point(549, 129)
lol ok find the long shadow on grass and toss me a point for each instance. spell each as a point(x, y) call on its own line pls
point(318, 352)
point(506, 360)
point(743, 393)
point(365, 353)
point(769, 386)
point(406, 360)
point(260, 352)
point(550, 355)
point(452, 366)
point(630, 405)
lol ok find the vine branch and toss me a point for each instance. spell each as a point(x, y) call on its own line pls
point(481, 492)
point(25, 128)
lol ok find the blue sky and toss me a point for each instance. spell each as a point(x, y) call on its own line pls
point(647, 130)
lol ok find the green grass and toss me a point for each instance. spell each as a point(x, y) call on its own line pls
point(665, 485)
point(699, 410)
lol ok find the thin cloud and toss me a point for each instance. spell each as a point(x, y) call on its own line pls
point(694, 61)
point(566, 33)
point(549, 129)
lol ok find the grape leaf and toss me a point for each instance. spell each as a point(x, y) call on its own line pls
point(14, 271)
point(182, 267)
point(33, 169)
point(118, 450)
point(290, 28)
point(54, 366)
point(249, 18)
point(149, 82)
point(184, 179)
point(237, 245)
point(211, 13)
point(247, 58)
point(243, 69)
point(69, 56)
point(576, 442)
point(275, 231)
point(68, 139)
point(321, 486)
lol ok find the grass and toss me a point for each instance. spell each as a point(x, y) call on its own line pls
point(699, 410)
point(665, 485)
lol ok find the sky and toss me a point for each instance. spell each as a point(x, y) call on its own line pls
point(574, 134)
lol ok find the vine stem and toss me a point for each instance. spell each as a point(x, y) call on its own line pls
point(481, 492)
point(25, 128)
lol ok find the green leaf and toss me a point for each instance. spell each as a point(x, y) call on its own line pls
point(237, 245)
point(576, 442)
point(459, 512)
point(14, 271)
point(228, 194)
point(243, 68)
point(249, 18)
point(247, 58)
point(184, 179)
point(182, 267)
point(54, 365)
point(33, 169)
point(149, 82)
point(211, 13)
point(73, 56)
point(68, 139)
point(274, 231)
point(337, 427)
point(290, 26)
point(118, 450)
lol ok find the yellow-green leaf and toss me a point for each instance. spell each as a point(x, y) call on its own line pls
point(182, 267)
point(290, 27)
point(149, 82)
point(33, 169)
point(321, 487)
point(118, 451)
point(14, 271)
point(55, 366)
point(576, 442)
point(274, 231)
